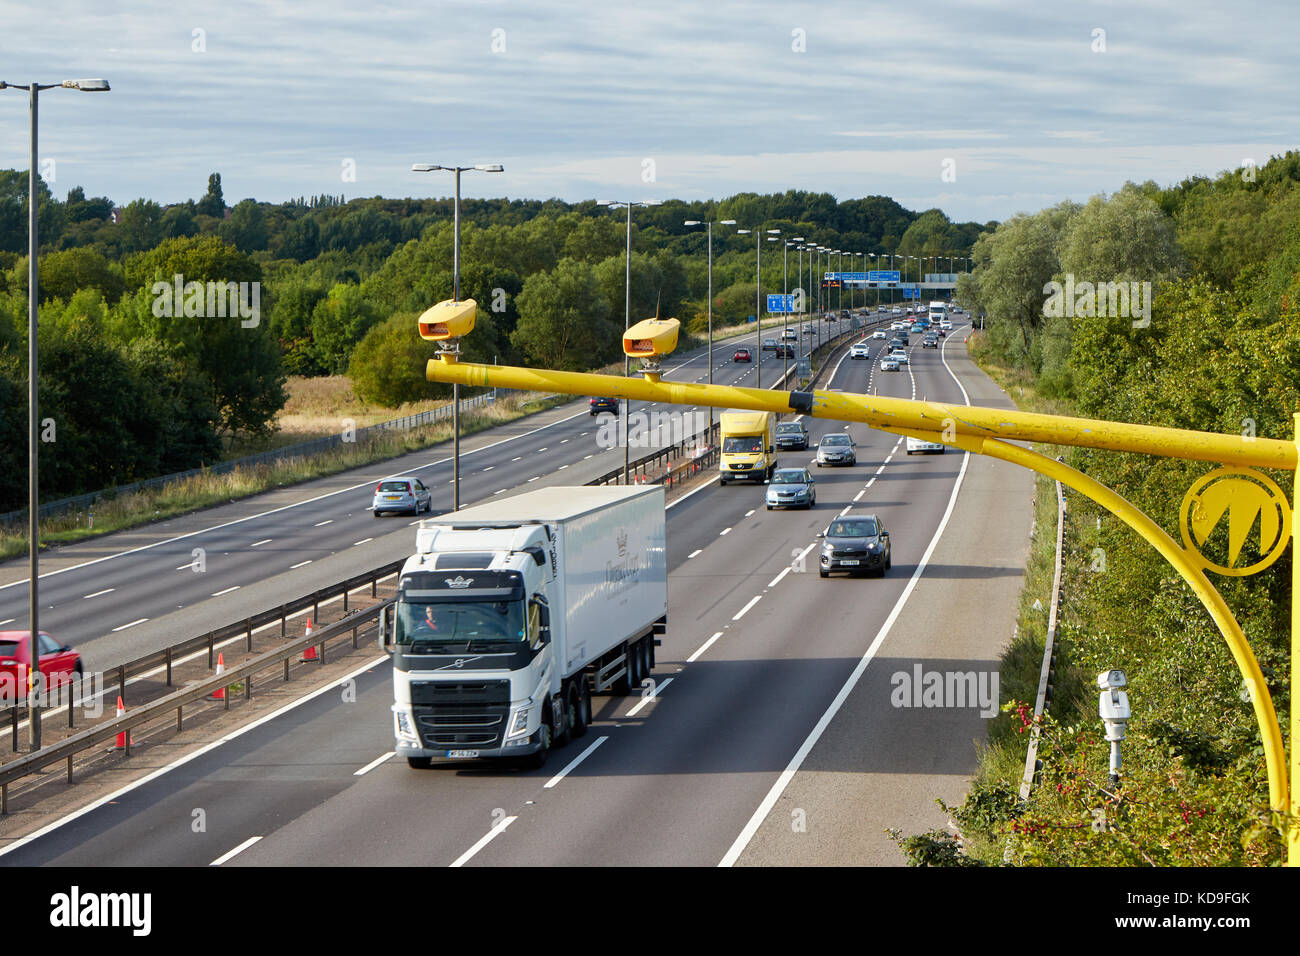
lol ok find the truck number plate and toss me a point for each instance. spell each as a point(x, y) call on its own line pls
point(848, 562)
point(462, 753)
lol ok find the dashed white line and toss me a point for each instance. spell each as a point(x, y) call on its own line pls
point(320, 524)
point(723, 531)
point(695, 552)
point(703, 647)
point(300, 564)
point(517, 458)
point(651, 697)
point(489, 467)
point(568, 768)
point(98, 593)
point(226, 591)
point(8, 620)
point(257, 543)
point(563, 440)
point(373, 764)
point(483, 841)
point(562, 467)
point(132, 624)
point(585, 457)
point(535, 478)
point(236, 851)
point(540, 450)
point(777, 580)
point(744, 610)
point(749, 512)
point(858, 496)
point(501, 492)
point(362, 541)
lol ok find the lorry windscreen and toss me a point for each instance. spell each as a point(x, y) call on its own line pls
point(459, 626)
point(747, 445)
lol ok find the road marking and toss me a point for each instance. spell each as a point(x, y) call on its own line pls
point(573, 763)
point(300, 564)
point(562, 467)
point(540, 450)
point(483, 841)
point(535, 478)
point(362, 541)
point(563, 440)
point(132, 624)
point(255, 544)
point(8, 620)
point(321, 524)
point(858, 496)
point(236, 851)
point(695, 552)
point(517, 458)
point(501, 492)
point(723, 531)
point(749, 512)
point(98, 593)
point(703, 647)
point(489, 467)
point(777, 580)
point(187, 567)
point(226, 591)
point(585, 457)
point(652, 696)
point(773, 795)
point(372, 765)
point(752, 601)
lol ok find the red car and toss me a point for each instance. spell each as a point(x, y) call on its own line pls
point(59, 664)
point(742, 355)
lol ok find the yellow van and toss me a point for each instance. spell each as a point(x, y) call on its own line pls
point(748, 446)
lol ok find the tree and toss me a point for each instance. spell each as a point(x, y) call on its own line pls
point(246, 227)
point(564, 318)
point(338, 323)
point(387, 367)
point(64, 273)
point(140, 227)
point(212, 204)
point(179, 221)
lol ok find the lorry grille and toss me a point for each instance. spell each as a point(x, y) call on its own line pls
point(461, 715)
point(461, 692)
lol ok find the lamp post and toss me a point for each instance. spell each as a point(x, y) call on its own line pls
point(34, 679)
point(724, 222)
point(455, 297)
point(785, 299)
point(758, 295)
point(627, 307)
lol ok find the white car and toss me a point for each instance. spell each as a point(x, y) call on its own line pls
point(895, 311)
point(899, 356)
point(860, 350)
point(945, 325)
point(924, 447)
point(878, 334)
point(889, 364)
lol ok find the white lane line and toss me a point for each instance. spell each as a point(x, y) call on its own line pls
point(8, 620)
point(744, 610)
point(105, 591)
point(568, 768)
point(373, 764)
point(563, 440)
point(540, 450)
point(562, 467)
point(703, 647)
point(517, 458)
point(186, 567)
point(132, 624)
point(501, 492)
point(585, 457)
point(259, 543)
point(858, 496)
point(695, 552)
point(235, 852)
point(489, 467)
point(483, 841)
point(845, 510)
point(535, 478)
point(362, 541)
point(749, 512)
point(777, 580)
point(723, 531)
point(651, 697)
point(226, 591)
point(773, 795)
point(300, 564)
point(330, 688)
point(321, 524)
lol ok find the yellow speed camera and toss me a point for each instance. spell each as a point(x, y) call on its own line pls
point(651, 338)
point(448, 320)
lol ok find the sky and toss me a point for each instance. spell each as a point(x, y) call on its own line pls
point(980, 108)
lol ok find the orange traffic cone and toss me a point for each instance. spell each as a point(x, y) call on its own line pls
point(310, 653)
point(121, 738)
point(220, 692)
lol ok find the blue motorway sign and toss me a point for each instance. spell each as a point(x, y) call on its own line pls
point(780, 303)
point(873, 276)
point(911, 292)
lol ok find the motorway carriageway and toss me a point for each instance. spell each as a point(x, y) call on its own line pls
point(770, 683)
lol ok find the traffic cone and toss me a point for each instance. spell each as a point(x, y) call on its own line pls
point(121, 738)
point(220, 692)
point(310, 653)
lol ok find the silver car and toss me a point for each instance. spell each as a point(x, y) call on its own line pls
point(404, 495)
point(836, 448)
point(790, 488)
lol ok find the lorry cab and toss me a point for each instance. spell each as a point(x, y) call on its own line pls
point(748, 446)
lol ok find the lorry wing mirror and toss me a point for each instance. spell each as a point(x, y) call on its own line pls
point(385, 619)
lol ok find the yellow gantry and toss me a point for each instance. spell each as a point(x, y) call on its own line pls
point(989, 431)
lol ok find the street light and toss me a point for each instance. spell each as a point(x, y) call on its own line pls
point(627, 307)
point(34, 678)
point(785, 301)
point(758, 296)
point(455, 297)
point(1114, 711)
point(697, 222)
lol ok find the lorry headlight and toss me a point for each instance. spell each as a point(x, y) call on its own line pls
point(520, 723)
point(403, 726)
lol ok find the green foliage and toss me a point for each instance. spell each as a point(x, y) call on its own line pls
point(63, 273)
point(564, 319)
point(212, 204)
point(387, 367)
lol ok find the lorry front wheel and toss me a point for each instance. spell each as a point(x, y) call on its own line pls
point(579, 710)
point(537, 760)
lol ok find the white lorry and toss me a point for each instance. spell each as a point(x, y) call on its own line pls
point(512, 613)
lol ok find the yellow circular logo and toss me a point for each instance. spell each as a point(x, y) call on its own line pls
point(1250, 501)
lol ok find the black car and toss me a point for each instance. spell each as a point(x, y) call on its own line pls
point(792, 435)
point(855, 543)
point(604, 405)
point(785, 351)
point(769, 345)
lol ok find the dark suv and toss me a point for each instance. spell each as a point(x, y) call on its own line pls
point(604, 405)
point(792, 435)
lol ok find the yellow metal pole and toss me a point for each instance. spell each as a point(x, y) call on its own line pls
point(885, 413)
point(1293, 839)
